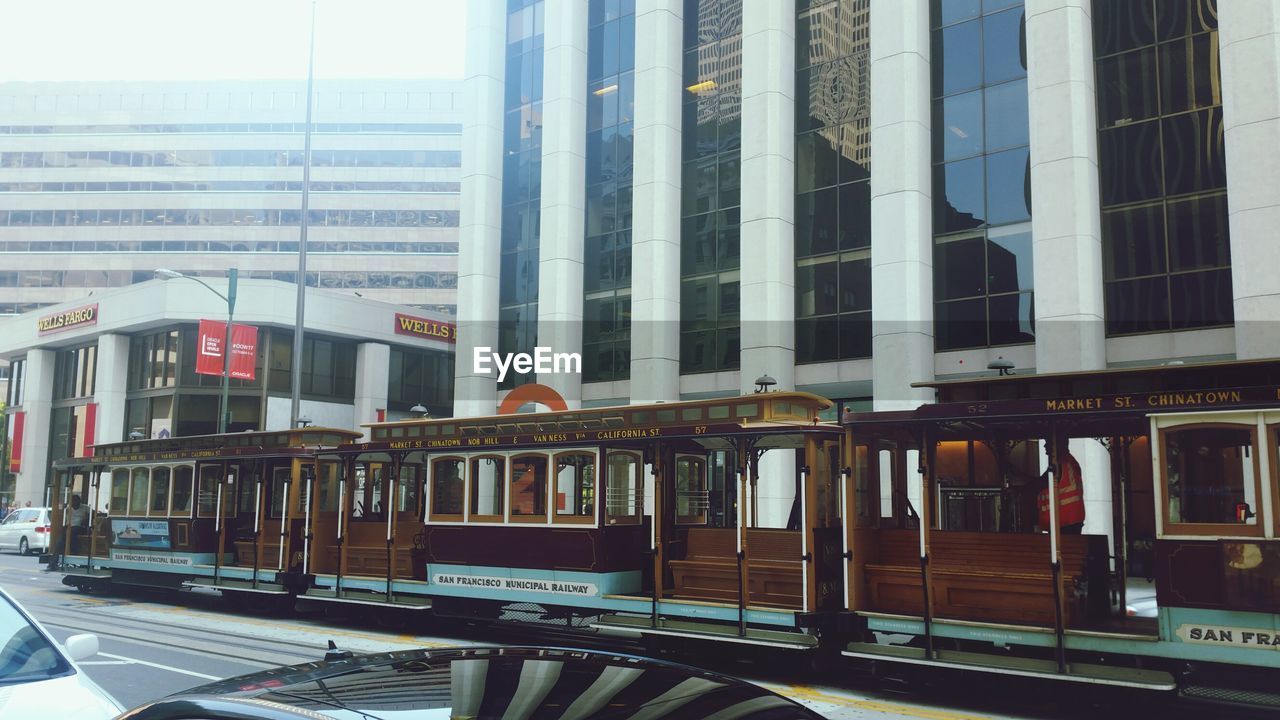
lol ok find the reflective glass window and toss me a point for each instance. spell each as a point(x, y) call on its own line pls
point(447, 488)
point(529, 488)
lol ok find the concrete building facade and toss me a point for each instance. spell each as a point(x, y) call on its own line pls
point(122, 364)
point(101, 183)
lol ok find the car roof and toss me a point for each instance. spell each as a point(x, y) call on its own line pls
point(490, 682)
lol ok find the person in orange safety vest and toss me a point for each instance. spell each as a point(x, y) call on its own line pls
point(1070, 496)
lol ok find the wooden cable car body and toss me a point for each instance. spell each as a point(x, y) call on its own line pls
point(599, 516)
point(956, 557)
point(161, 509)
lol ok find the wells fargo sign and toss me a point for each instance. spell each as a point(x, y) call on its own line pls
point(68, 319)
point(423, 328)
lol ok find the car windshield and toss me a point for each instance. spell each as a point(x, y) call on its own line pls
point(25, 654)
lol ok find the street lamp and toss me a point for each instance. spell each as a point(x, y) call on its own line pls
point(224, 405)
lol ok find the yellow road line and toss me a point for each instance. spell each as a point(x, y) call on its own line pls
point(808, 693)
point(327, 630)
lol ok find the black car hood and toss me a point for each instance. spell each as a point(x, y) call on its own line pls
point(534, 683)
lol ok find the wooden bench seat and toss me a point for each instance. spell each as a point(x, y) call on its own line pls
point(989, 577)
point(709, 570)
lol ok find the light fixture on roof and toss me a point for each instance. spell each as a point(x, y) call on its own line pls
point(421, 411)
point(135, 435)
point(1004, 366)
point(764, 382)
point(304, 422)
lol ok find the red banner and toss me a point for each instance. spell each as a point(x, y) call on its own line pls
point(16, 422)
point(244, 349)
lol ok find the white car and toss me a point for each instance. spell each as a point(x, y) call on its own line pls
point(39, 678)
point(25, 530)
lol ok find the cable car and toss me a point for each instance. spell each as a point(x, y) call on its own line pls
point(219, 511)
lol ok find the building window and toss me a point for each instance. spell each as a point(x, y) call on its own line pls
point(420, 377)
point(983, 290)
point(606, 329)
point(833, 194)
point(709, 207)
point(521, 184)
point(153, 360)
point(328, 366)
point(1165, 238)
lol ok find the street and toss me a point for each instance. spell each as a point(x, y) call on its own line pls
point(154, 645)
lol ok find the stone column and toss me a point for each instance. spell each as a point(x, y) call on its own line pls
point(1249, 42)
point(901, 204)
point(481, 206)
point(37, 403)
point(1066, 222)
point(768, 286)
point(110, 384)
point(655, 218)
point(373, 367)
point(564, 189)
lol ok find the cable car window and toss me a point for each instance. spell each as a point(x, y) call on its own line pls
point(182, 477)
point(210, 476)
point(159, 492)
point(691, 490)
point(376, 476)
point(279, 490)
point(302, 497)
point(488, 478)
point(1211, 476)
point(327, 476)
point(446, 489)
point(529, 488)
point(119, 491)
point(624, 496)
point(407, 492)
point(357, 497)
point(248, 494)
point(139, 492)
point(575, 487)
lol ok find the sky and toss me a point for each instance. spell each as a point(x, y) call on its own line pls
point(53, 40)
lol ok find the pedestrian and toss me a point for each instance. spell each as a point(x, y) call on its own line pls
point(1070, 484)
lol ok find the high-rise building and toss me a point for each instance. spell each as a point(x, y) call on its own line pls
point(102, 183)
point(853, 196)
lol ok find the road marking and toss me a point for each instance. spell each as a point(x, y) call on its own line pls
point(158, 666)
point(83, 663)
point(812, 694)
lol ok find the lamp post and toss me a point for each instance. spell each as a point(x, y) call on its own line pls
point(224, 405)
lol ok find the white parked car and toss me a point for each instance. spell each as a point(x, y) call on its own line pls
point(39, 678)
point(25, 530)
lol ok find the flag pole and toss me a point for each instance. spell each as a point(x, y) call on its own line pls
point(295, 389)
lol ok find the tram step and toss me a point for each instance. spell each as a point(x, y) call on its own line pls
point(368, 597)
point(79, 571)
point(707, 631)
point(263, 588)
point(1021, 666)
point(1232, 696)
